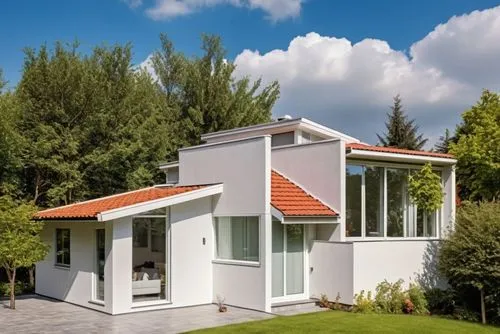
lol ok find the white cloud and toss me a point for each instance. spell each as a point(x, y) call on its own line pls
point(276, 10)
point(133, 3)
point(350, 86)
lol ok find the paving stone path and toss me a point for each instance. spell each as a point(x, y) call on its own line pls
point(35, 314)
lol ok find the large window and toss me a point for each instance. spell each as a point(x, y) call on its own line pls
point(378, 205)
point(237, 238)
point(150, 260)
point(63, 247)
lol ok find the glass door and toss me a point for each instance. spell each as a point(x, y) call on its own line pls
point(288, 268)
point(100, 260)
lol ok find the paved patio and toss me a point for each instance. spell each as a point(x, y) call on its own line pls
point(36, 314)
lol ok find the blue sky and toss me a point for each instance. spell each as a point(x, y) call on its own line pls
point(247, 24)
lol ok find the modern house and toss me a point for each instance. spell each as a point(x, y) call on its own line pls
point(272, 213)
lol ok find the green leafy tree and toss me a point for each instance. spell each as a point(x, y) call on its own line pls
point(205, 93)
point(20, 244)
point(11, 142)
point(443, 145)
point(424, 188)
point(477, 149)
point(94, 125)
point(401, 132)
point(470, 256)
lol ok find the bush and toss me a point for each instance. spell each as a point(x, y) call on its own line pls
point(440, 302)
point(364, 304)
point(390, 297)
point(19, 288)
point(417, 297)
point(323, 301)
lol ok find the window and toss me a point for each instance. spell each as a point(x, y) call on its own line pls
point(63, 247)
point(354, 176)
point(367, 213)
point(397, 189)
point(150, 256)
point(237, 238)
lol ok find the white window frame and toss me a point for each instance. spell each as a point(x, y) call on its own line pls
point(58, 264)
point(237, 262)
point(411, 207)
point(168, 259)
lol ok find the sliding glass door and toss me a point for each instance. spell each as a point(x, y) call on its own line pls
point(288, 269)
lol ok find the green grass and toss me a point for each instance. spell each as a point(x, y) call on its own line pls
point(344, 322)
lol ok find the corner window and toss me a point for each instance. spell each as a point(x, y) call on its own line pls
point(237, 238)
point(63, 247)
point(378, 205)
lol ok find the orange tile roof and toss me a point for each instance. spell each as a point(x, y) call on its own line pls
point(286, 197)
point(90, 209)
point(291, 200)
point(364, 147)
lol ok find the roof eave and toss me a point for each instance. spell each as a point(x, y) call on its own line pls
point(397, 157)
point(159, 203)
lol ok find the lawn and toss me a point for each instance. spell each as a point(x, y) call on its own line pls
point(344, 322)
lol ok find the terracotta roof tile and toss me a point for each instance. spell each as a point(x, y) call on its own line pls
point(90, 209)
point(364, 147)
point(291, 200)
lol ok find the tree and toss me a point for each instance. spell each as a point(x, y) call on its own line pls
point(401, 132)
point(470, 256)
point(94, 125)
point(424, 188)
point(443, 146)
point(20, 245)
point(206, 94)
point(10, 141)
point(477, 150)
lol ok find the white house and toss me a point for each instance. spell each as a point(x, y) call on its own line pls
point(278, 212)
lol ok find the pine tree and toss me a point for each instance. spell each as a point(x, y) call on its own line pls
point(401, 132)
point(443, 146)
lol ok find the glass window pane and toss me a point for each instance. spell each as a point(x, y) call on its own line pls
point(149, 259)
point(353, 200)
point(158, 235)
point(396, 201)
point(63, 246)
point(237, 238)
point(374, 201)
point(156, 212)
point(278, 264)
point(294, 259)
point(140, 232)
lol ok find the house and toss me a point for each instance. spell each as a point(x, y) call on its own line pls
point(271, 213)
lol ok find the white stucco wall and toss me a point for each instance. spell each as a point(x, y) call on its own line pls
point(410, 260)
point(319, 168)
point(73, 284)
point(244, 168)
point(332, 270)
point(240, 165)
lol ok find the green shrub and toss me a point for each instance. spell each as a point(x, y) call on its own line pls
point(440, 302)
point(417, 296)
point(5, 288)
point(390, 297)
point(364, 304)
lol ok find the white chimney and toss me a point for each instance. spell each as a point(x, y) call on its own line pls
point(284, 118)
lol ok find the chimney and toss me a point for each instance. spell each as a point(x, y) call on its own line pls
point(284, 118)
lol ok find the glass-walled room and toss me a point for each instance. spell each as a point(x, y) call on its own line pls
point(378, 204)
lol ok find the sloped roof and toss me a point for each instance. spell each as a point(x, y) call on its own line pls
point(365, 147)
point(292, 200)
point(286, 196)
point(90, 209)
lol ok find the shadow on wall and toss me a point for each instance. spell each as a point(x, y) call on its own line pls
point(430, 277)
